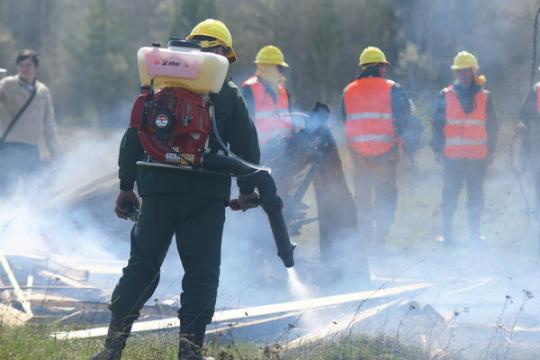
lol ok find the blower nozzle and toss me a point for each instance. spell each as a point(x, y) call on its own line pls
point(284, 246)
point(272, 206)
point(281, 235)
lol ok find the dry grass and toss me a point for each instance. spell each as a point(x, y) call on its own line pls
point(34, 342)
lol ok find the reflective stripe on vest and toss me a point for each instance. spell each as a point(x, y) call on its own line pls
point(372, 138)
point(455, 141)
point(465, 133)
point(368, 115)
point(369, 122)
point(271, 116)
point(469, 122)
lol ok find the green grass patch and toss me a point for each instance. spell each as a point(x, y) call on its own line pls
point(357, 347)
point(34, 342)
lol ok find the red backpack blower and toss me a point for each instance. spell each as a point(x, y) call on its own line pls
point(174, 118)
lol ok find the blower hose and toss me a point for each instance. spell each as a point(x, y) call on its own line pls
point(272, 205)
point(231, 165)
point(269, 200)
point(232, 155)
point(259, 177)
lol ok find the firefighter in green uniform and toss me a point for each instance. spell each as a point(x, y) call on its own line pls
point(190, 206)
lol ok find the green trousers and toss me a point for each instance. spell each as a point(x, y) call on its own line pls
point(197, 223)
point(376, 195)
point(460, 173)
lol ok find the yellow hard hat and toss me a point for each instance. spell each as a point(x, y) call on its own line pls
point(465, 60)
point(271, 55)
point(218, 30)
point(372, 55)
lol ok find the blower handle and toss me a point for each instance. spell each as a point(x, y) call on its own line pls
point(235, 205)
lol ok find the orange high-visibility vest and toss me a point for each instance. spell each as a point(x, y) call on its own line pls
point(369, 123)
point(465, 134)
point(271, 116)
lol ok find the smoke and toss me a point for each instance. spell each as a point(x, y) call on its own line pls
point(46, 213)
point(67, 209)
point(309, 320)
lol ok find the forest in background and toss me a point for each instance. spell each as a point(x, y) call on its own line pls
point(88, 48)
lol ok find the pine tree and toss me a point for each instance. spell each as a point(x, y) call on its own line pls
point(103, 73)
point(188, 13)
point(325, 44)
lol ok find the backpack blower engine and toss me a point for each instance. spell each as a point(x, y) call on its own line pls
point(176, 122)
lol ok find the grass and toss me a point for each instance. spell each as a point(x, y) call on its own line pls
point(358, 347)
point(33, 342)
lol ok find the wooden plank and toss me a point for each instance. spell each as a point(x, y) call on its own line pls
point(47, 299)
point(67, 317)
point(243, 324)
point(490, 327)
point(76, 274)
point(256, 311)
point(86, 267)
point(339, 326)
point(26, 256)
point(66, 280)
point(12, 317)
point(19, 294)
point(472, 285)
point(73, 194)
point(29, 285)
point(38, 287)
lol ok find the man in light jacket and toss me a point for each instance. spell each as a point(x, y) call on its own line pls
point(26, 117)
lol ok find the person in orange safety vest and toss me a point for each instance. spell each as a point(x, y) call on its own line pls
point(464, 139)
point(301, 150)
point(376, 111)
point(267, 97)
point(529, 130)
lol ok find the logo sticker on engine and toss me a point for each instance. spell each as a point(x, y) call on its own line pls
point(162, 121)
point(172, 157)
point(187, 159)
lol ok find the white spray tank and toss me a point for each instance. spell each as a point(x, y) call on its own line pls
point(182, 64)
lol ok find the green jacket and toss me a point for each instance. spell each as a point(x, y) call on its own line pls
point(236, 129)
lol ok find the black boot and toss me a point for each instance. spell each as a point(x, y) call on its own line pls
point(119, 330)
point(191, 341)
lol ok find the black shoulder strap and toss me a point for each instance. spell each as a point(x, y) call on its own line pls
point(19, 114)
